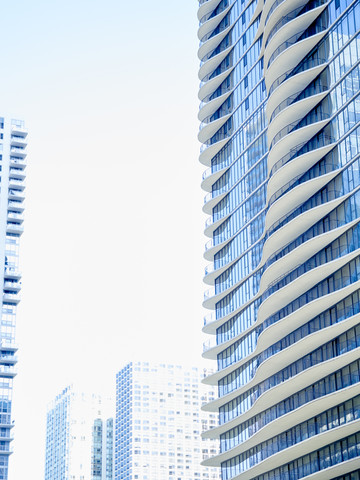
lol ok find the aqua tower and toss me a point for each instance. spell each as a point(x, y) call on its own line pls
point(280, 134)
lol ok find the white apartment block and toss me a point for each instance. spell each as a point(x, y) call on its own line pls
point(72, 447)
point(159, 423)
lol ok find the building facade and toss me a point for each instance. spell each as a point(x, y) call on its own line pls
point(159, 423)
point(280, 113)
point(79, 438)
point(102, 449)
point(12, 175)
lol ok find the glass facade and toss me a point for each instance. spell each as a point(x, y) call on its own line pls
point(13, 141)
point(280, 129)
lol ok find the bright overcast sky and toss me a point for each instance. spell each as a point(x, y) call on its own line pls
point(112, 251)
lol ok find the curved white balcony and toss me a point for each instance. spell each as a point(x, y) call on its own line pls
point(287, 356)
point(206, 7)
point(211, 272)
point(211, 249)
point(288, 141)
point(295, 168)
point(281, 424)
point(300, 285)
point(300, 255)
point(284, 389)
point(207, 153)
point(277, 17)
point(209, 87)
point(290, 57)
point(284, 86)
point(211, 199)
point(209, 129)
point(295, 197)
point(210, 108)
point(210, 177)
point(211, 225)
point(211, 298)
point(209, 25)
point(287, 28)
point(297, 226)
point(300, 449)
point(293, 112)
point(212, 63)
point(209, 46)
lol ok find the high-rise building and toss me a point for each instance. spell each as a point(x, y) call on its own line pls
point(159, 423)
point(280, 113)
point(79, 437)
point(12, 175)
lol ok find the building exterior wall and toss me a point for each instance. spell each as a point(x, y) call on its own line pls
point(159, 423)
point(102, 449)
point(280, 113)
point(12, 172)
point(77, 437)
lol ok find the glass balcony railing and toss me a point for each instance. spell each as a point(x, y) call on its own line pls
point(328, 168)
point(209, 245)
point(322, 140)
point(215, 12)
point(332, 194)
point(275, 5)
point(310, 119)
point(306, 65)
point(293, 14)
point(309, 32)
point(210, 318)
point(209, 344)
point(301, 95)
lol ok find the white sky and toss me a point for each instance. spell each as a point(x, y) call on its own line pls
point(112, 251)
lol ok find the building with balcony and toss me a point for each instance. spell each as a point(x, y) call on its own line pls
point(159, 423)
point(79, 437)
point(280, 134)
point(12, 176)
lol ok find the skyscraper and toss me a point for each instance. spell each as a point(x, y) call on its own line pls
point(12, 174)
point(280, 113)
point(159, 423)
point(79, 437)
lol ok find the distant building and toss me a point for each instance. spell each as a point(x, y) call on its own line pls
point(159, 423)
point(79, 441)
point(102, 464)
point(12, 175)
